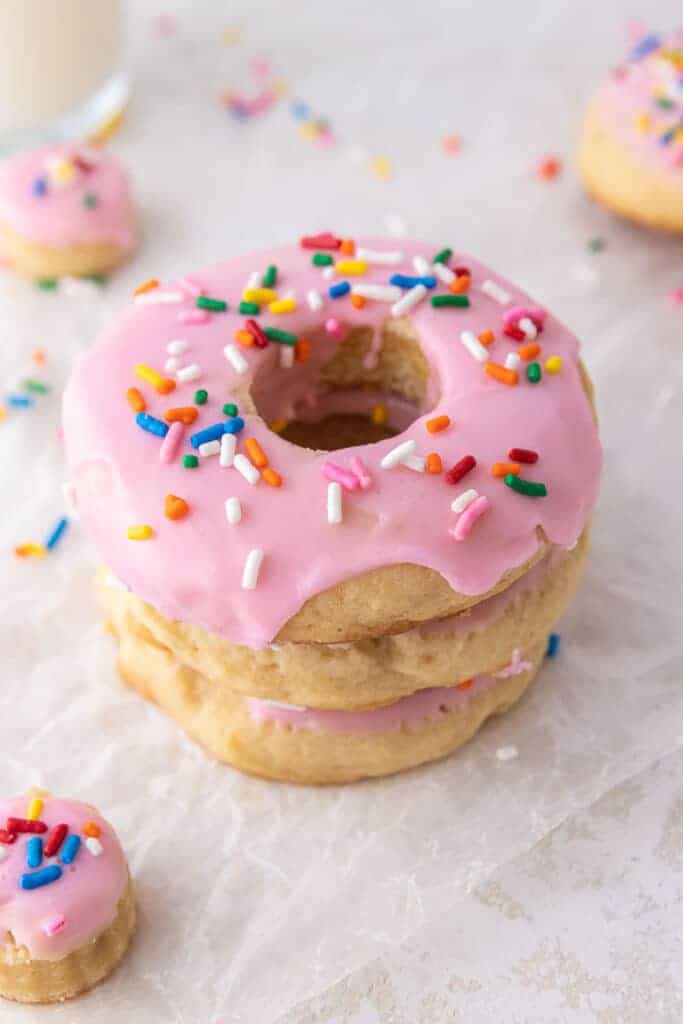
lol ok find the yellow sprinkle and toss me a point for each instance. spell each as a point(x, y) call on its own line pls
point(3, 413)
point(28, 550)
point(381, 167)
point(277, 426)
point(553, 365)
point(351, 267)
point(259, 295)
point(379, 415)
point(107, 128)
point(149, 375)
point(309, 129)
point(35, 809)
point(143, 532)
point(678, 135)
point(282, 306)
point(643, 122)
point(62, 171)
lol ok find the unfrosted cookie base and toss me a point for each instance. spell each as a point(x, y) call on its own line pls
point(618, 181)
point(49, 981)
point(46, 262)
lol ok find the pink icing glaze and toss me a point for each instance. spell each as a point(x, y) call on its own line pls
point(192, 568)
point(633, 90)
point(61, 217)
point(86, 895)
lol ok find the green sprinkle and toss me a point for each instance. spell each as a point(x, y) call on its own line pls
point(528, 487)
point(664, 103)
point(48, 284)
point(321, 259)
point(443, 256)
point(90, 200)
point(269, 279)
point(533, 373)
point(36, 386)
point(249, 308)
point(215, 305)
point(282, 337)
point(229, 409)
point(97, 278)
point(200, 397)
point(450, 300)
point(190, 461)
point(597, 244)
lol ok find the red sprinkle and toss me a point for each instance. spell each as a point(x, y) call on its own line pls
point(462, 271)
point(325, 240)
point(24, 825)
point(256, 331)
point(7, 837)
point(514, 332)
point(460, 469)
point(523, 455)
point(55, 840)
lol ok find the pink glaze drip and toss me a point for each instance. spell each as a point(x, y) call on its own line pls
point(60, 217)
point(632, 90)
point(86, 895)
point(192, 568)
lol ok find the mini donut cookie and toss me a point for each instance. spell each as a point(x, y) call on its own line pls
point(65, 211)
point(465, 454)
point(631, 151)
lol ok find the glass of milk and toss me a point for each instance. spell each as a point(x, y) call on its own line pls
point(60, 69)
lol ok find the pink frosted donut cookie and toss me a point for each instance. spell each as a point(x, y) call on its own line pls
point(631, 151)
point(65, 210)
point(67, 911)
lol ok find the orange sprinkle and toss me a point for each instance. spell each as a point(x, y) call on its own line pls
point(30, 550)
point(438, 423)
point(272, 477)
point(487, 337)
point(277, 426)
point(256, 452)
point(501, 373)
point(166, 386)
point(186, 414)
point(503, 468)
point(245, 338)
point(348, 247)
point(529, 351)
point(466, 685)
point(92, 829)
point(358, 301)
point(135, 400)
point(461, 284)
point(302, 350)
point(175, 507)
point(433, 463)
point(146, 286)
point(39, 357)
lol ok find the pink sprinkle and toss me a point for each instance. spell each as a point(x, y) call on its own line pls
point(516, 313)
point(333, 471)
point(361, 471)
point(676, 296)
point(193, 316)
point(333, 327)
point(53, 924)
point(469, 517)
point(190, 287)
point(171, 443)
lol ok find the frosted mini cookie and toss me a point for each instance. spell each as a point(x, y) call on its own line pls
point(65, 211)
point(67, 911)
point(631, 151)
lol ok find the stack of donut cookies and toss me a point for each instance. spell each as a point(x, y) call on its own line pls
point(342, 494)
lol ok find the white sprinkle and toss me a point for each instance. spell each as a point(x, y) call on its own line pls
point(398, 454)
point(233, 510)
point(94, 845)
point(69, 496)
point(157, 298)
point(171, 364)
point(252, 565)
point(529, 327)
point(385, 258)
point(512, 361)
point(286, 356)
point(381, 292)
point(245, 467)
point(410, 299)
point(236, 359)
point(281, 703)
point(463, 500)
point(507, 753)
point(495, 292)
point(3, 852)
point(414, 462)
point(314, 300)
point(176, 347)
point(474, 346)
point(328, 272)
point(228, 445)
point(190, 372)
point(209, 448)
point(334, 502)
point(443, 272)
point(253, 281)
point(421, 265)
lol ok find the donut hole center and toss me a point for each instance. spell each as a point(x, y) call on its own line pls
point(367, 386)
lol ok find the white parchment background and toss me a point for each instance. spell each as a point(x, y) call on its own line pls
point(255, 897)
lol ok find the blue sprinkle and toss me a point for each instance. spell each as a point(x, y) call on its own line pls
point(43, 877)
point(300, 110)
point(553, 645)
point(19, 401)
point(39, 187)
point(151, 424)
point(53, 537)
point(406, 281)
point(34, 852)
point(336, 291)
point(233, 425)
point(212, 433)
point(667, 138)
point(645, 46)
point(70, 849)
